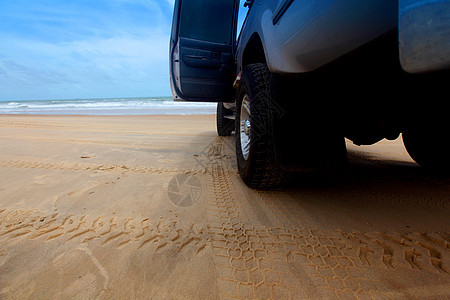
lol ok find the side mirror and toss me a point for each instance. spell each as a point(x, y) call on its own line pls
point(248, 3)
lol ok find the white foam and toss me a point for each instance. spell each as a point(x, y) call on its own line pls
point(151, 105)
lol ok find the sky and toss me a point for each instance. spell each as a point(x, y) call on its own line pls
point(69, 49)
point(63, 49)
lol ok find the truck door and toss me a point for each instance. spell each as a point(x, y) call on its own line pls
point(202, 45)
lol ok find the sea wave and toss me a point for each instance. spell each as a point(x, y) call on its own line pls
point(151, 105)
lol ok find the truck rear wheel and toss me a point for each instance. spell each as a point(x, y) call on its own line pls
point(428, 147)
point(224, 120)
point(254, 131)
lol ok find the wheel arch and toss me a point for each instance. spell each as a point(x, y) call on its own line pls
point(253, 52)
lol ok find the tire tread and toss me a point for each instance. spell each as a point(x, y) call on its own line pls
point(264, 172)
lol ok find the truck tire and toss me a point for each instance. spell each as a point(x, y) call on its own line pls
point(254, 131)
point(225, 126)
point(429, 148)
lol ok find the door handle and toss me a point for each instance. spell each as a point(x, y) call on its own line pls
point(197, 57)
point(196, 61)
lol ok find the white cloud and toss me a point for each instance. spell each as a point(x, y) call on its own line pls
point(104, 65)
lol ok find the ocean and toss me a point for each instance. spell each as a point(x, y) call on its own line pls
point(108, 106)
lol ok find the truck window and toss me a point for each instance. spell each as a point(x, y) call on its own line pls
point(207, 20)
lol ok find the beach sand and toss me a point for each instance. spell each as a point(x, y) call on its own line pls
point(136, 207)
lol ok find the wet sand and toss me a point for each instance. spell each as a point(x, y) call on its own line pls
point(135, 207)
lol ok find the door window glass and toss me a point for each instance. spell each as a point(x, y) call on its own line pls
point(207, 20)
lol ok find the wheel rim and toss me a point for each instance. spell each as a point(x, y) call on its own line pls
point(244, 128)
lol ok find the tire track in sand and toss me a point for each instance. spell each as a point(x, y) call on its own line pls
point(107, 231)
point(282, 259)
point(94, 167)
point(292, 260)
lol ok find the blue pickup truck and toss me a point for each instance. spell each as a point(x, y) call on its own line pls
point(303, 75)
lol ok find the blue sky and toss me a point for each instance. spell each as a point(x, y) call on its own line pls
point(62, 49)
point(84, 48)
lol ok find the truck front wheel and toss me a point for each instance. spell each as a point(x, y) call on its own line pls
point(254, 130)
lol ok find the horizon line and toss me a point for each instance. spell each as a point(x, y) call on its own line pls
point(96, 98)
